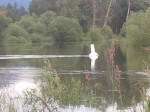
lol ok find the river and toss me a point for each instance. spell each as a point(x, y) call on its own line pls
point(20, 63)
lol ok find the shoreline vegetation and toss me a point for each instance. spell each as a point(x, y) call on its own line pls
point(76, 22)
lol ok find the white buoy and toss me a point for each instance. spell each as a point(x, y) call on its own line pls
point(93, 55)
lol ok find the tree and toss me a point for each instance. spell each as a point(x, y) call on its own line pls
point(40, 6)
point(47, 17)
point(85, 17)
point(108, 11)
point(14, 12)
point(128, 12)
point(64, 29)
point(34, 27)
point(4, 20)
point(16, 33)
point(94, 12)
point(68, 8)
point(121, 11)
point(137, 29)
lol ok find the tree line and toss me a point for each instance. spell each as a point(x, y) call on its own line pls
point(69, 20)
point(91, 12)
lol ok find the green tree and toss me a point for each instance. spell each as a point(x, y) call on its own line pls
point(120, 10)
point(27, 22)
point(4, 22)
point(68, 8)
point(14, 12)
point(16, 33)
point(95, 34)
point(103, 33)
point(47, 17)
point(35, 26)
point(40, 6)
point(65, 29)
point(137, 29)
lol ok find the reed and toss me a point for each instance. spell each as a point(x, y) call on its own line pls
point(115, 73)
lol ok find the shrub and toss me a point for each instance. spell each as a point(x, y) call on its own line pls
point(64, 29)
point(14, 39)
point(137, 28)
point(17, 31)
point(4, 20)
point(95, 34)
point(47, 17)
point(107, 32)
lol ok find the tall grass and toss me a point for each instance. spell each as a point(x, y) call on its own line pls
point(115, 71)
point(116, 84)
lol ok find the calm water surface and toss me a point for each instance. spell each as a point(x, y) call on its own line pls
point(20, 63)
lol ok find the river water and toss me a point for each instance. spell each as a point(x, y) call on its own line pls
point(20, 63)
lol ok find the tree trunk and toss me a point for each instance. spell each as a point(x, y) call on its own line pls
point(107, 14)
point(129, 4)
point(94, 12)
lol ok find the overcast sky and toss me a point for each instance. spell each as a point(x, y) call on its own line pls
point(24, 3)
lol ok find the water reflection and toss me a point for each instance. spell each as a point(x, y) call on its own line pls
point(93, 59)
point(19, 79)
point(23, 85)
point(39, 56)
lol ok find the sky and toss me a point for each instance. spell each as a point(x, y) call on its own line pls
point(24, 3)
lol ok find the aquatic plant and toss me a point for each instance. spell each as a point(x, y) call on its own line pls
point(72, 92)
point(115, 72)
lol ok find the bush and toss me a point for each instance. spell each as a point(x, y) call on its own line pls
point(137, 28)
point(27, 22)
point(17, 34)
point(95, 34)
point(14, 39)
point(107, 32)
point(64, 29)
point(47, 17)
point(17, 31)
point(4, 20)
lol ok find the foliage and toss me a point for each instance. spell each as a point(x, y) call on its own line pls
point(95, 34)
point(38, 29)
point(139, 5)
point(103, 33)
point(4, 21)
point(107, 32)
point(72, 92)
point(137, 29)
point(51, 94)
point(47, 17)
point(41, 25)
point(68, 8)
point(16, 33)
point(82, 10)
point(14, 40)
point(65, 29)
point(28, 27)
point(14, 12)
point(40, 6)
point(27, 22)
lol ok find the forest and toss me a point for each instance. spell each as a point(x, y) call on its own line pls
point(77, 20)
